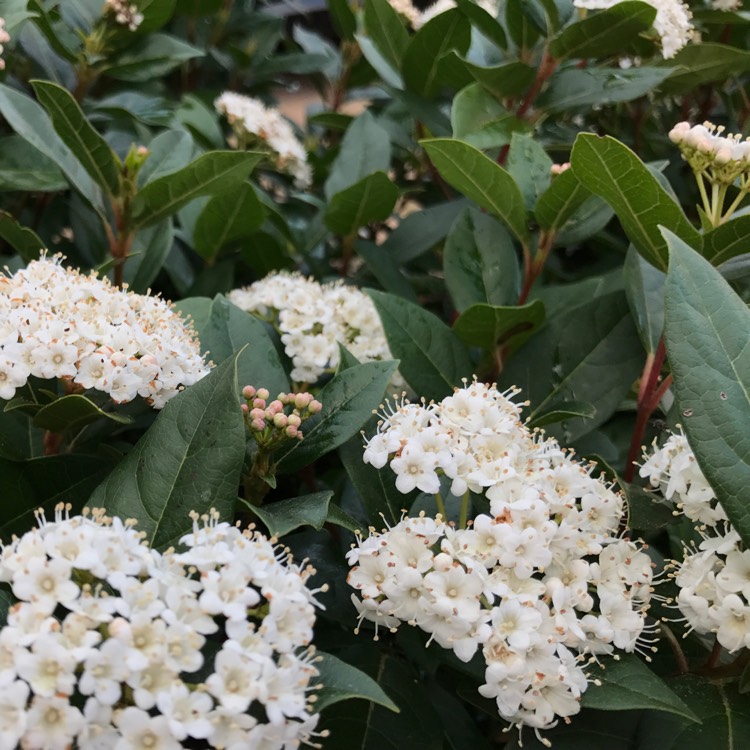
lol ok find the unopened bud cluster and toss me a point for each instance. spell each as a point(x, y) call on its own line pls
point(713, 580)
point(125, 13)
point(273, 422)
point(4, 39)
point(539, 584)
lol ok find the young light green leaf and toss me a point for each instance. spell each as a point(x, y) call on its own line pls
point(365, 148)
point(425, 60)
point(629, 684)
point(492, 326)
point(348, 401)
point(386, 30)
point(189, 460)
point(91, 150)
point(432, 358)
point(370, 199)
point(610, 169)
point(478, 177)
point(706, 326)
point(480, 262)
point(604, 33)
point(644, 286)
point(227, 217)
point(341, 681)
point(209, 174)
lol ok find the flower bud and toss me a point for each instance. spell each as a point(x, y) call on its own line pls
point(248, 392)
point(301, 400)
point(280, 420)
point(263, 393)
point(314, 406)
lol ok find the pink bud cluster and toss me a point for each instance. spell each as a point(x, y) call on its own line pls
point(4, 38)
point(277, 420)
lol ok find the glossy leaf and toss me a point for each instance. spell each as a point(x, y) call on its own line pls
point(706, 326)
point(644, 286)
point(209, 174)
point(560, 412)
point(370, 199)
point(479, 119)
point(478, 177)
point(727, 241)
point(348, 401)
point(22, 239)
point(480, 262)
point(150, 250)
point(432, 358)
point(604, 33)
point(557, 204)
point(530, 166)
point(153, 56)
point(491, 326)
point(168, 152)
point(73, 412)
point(91, 150)
point(387, 31)
point(26, 168)
point(507, 79)
point(189, 460)
point(341, 682)
point(610, 169)
point(696, 64)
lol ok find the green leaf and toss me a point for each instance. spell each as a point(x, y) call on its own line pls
point(150, 58)
point(365, 148)
point(387, 31)
point(589, 353)
point(529, 165)
point(727, 241)
point(604, 33)
point(629, 684)
point(645, 512)
point(33, 124)
point(579, 88)
point(370, 199)
point(491, 326)
point(379, 64)
point(480, 262)
point(15, 12)
point(341, 682)
point(696, 64)
point(95, 155)
point(432, 358)
point(287, 515)
point(210, 174)
point(478, 177)
point(484, 22)
point(343, 18)
point(22, 239)
point(27, 169)
point(168, 152)
point(610, 169)
point(223, 329)
point(507, 79)
point(150, 250)
point(706, 326)
point(189, 460)
point(558, 413)
point(479, 119)
point(424, 62)
point(644, 286)
point(560, 200)
point(385, 269)
point(227, 217)
point(73, 412)
point(348, 401)
point(518, 20)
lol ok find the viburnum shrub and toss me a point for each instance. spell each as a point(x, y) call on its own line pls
point(274, 283)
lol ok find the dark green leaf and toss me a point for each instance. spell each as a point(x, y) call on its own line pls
point(370, 199)
point(71, 413)
point(150, 249)
point(341, 682)
point(480, 262)
point(604, 33)
point(91, 150)
point(481, 179)
point(706, 326)
point(727, 241)
point(153, 56)
point(491, 326)
point(209, 174)
point(529, 165)
point(644, 286)
point(227, 217)
point(433, 360)
point(484, 22)
point(343, 18)
point(610, 169)
point(645, 511)
point(28, 169)
point(479, 119)
point(387, 31)
point(223, 329)
point(696, 64)
point(189, 460)
point(348, 401)
point(383, 267)
point(22, 239)
point(287, 515)
point(508, 79)
point(168, 152)
point(560, 412)
point(560, 200)
point(424, 62)
point(365, 148)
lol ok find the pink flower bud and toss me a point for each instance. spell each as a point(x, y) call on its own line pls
point(258, 414)
point(275, 407)
point(314, 406)
point(294, 419)
point(259, 424)
point(245, 408)
point(280, 420)
point(291, 431)
point(248, 392)
point(301, 400)
point(263, 393)
point(259, 403)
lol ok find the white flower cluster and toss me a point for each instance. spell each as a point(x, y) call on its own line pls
point(4, 39)
point(56, 322)
point(418, 18)
point(673, 22)
point(726, 5)
point(125, 13)
point(108, 637)
point(707, 148)
point(540, 583)
point(313, 319)
point(251, 121)
point(713, 579)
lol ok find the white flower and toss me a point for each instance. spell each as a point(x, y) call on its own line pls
point(140, 730)
point(52, 724)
